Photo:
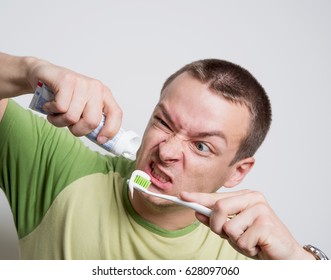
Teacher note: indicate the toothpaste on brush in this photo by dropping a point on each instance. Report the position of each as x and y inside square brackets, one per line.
[124, 143]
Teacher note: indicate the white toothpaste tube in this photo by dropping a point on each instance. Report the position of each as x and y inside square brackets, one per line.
[124, 143]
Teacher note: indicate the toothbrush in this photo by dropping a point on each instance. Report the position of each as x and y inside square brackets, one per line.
[141, 181]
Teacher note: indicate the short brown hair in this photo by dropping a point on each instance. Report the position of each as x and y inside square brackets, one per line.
[237, 85]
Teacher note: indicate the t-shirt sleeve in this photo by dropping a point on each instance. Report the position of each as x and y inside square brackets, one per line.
[37, 161]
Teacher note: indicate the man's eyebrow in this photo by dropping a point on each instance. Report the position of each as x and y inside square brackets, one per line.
[211, 134]
[203, 134]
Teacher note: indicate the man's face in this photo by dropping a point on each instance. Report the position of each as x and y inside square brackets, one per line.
[190, 140]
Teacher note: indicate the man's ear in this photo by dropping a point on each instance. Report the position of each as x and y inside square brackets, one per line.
[239, 171]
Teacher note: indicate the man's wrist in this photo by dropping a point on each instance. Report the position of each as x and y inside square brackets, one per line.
[19, 74]
[28, 64]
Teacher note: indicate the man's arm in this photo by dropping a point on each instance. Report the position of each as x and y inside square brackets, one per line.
[12, 78]
[79, 101]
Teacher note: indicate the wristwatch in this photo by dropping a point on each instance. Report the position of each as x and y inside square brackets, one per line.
[317, 253]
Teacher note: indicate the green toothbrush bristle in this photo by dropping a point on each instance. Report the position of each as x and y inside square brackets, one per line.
[141, 181]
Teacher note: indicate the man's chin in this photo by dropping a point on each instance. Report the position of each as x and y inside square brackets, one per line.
[160, 204]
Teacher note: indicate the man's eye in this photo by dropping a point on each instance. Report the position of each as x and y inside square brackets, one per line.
[202, 147]
[162, 124]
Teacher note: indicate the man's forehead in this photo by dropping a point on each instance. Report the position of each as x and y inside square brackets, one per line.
[197, 130]
[204, 112]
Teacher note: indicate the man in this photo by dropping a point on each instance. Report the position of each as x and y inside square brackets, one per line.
[71, 203]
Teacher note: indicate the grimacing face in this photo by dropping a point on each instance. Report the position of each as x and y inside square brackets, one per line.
[190, 140]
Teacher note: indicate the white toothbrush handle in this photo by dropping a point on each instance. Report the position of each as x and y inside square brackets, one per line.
[195, 206]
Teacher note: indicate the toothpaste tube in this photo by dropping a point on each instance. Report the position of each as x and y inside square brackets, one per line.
[124, 143]
[42, 95]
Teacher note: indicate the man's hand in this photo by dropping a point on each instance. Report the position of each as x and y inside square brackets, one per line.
[249, 224]
[79, 101]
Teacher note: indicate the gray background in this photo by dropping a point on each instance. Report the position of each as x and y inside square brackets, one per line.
[132, 46]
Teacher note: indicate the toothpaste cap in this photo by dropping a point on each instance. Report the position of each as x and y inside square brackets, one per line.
[127, 144]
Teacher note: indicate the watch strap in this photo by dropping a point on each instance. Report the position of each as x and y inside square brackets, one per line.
[317, 253]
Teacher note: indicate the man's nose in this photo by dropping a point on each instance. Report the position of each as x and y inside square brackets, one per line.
[171, 149]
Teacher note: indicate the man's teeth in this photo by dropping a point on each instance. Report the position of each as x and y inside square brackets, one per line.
[160, 176]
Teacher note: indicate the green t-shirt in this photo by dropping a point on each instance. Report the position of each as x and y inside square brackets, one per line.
[70, 202]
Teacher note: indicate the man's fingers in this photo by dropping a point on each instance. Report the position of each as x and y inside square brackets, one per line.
[113, 119]
[66, 115]
[63, 94]
[209, 199]
[89, 121]
[80, 103]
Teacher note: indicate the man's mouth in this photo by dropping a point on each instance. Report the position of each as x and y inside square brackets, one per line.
[159, 175]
